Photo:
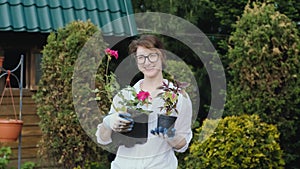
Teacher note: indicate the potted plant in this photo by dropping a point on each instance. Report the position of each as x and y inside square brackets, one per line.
[9, 128]
[170, 95]
[138, 134]
[135, 107]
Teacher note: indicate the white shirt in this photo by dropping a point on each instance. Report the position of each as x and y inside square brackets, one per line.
[155, 145]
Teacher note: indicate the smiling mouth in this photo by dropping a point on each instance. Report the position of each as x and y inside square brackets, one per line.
[149, 68]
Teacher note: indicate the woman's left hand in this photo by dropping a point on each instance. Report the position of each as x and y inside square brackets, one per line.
[164, 132]
[175, 141]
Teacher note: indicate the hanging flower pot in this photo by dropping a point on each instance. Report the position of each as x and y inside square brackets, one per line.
[10, 129]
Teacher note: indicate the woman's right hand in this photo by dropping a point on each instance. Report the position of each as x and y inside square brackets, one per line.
[119, 122]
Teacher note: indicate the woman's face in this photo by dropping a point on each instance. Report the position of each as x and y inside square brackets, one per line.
[149, 61]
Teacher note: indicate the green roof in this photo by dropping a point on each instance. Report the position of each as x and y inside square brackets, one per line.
[49, 15]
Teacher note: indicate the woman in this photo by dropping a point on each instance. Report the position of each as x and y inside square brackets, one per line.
[158, 151]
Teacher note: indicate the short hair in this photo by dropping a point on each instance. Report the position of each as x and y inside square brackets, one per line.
[148, 41]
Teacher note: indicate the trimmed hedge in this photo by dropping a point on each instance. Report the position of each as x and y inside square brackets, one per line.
[64, 141]
[238, 142]
[264, 67]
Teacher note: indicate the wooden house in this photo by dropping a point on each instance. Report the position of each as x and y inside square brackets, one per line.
[24, 27]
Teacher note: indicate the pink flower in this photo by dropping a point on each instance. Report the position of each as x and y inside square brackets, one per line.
[114, 53]
[107, 51]
[142, 95]
[110, 52]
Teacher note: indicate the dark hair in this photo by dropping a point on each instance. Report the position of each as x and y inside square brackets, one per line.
[148, 41]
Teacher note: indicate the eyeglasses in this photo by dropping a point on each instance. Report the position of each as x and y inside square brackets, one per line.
[152, 57]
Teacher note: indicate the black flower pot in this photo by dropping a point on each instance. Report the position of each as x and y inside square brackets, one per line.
[138, 134]
[166, 121]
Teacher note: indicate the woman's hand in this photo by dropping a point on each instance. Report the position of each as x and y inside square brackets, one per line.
[164, 132]
[119, 122]
[174, 140]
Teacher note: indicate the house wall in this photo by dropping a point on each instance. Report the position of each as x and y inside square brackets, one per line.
[13, 44]
[31, 132]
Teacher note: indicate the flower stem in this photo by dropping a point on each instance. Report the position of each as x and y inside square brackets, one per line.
[106, 72]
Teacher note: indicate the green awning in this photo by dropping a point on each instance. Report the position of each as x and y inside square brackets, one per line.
[49, 15]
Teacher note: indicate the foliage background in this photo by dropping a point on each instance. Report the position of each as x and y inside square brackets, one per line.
[273, 93]
[238, 142]
[217, 19]
[264, 70]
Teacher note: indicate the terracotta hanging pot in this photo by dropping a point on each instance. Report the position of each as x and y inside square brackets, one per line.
[10, 129]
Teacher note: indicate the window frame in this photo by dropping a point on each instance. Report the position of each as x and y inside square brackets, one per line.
[33, 66]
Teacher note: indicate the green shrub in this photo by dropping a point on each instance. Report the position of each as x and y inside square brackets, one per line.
[28, 165]
[5, 153]
[64, 140]
[238, 142]
[264, 68]
[92, 165]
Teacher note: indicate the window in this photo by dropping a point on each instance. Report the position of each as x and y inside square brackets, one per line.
[35, 68]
